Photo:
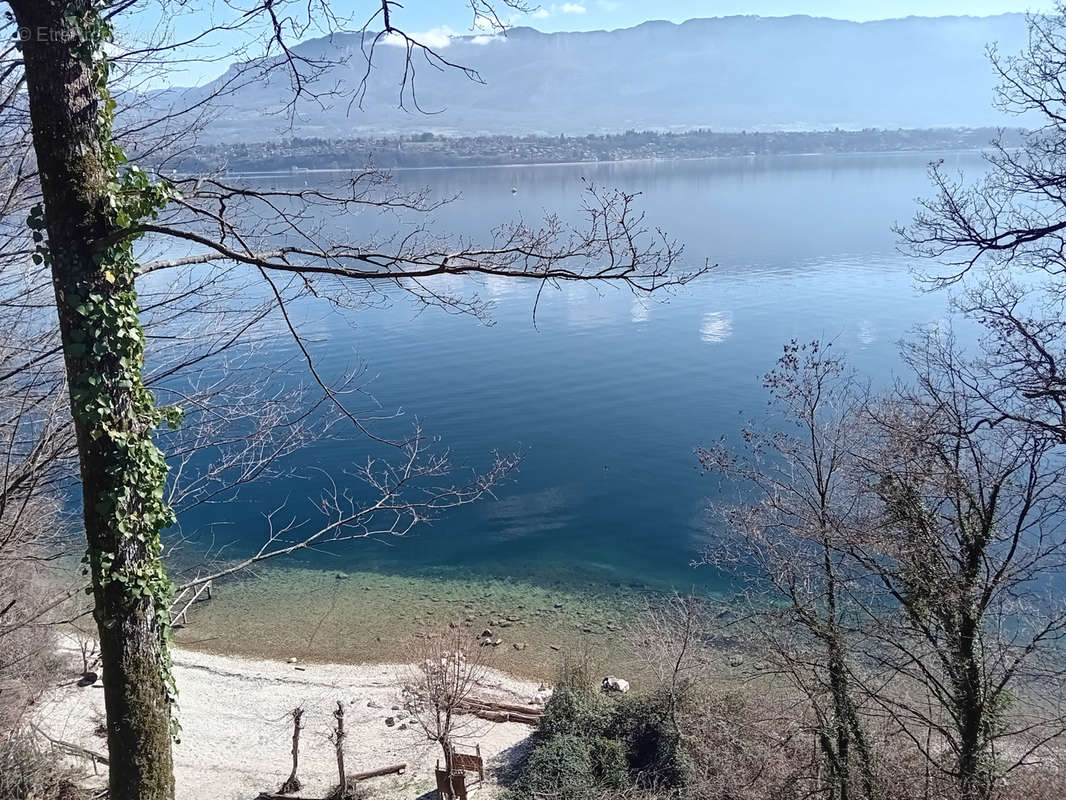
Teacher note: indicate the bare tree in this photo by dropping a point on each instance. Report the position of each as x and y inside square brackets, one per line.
[965, 544]
[789, 542]
[970, 478]
[448, 670]
[1000, 239]
[911, 550]
[670, 641]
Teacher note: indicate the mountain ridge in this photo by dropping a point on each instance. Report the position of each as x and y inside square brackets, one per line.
[741, 72]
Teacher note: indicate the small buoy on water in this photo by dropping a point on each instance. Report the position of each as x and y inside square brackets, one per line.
[514, 190]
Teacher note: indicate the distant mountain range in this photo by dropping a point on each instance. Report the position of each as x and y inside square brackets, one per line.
[728, 74]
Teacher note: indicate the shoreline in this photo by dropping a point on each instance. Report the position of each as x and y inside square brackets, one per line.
[237, 730]
[607, 162]
[326, 617]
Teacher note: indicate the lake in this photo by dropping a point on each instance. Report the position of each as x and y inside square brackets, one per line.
[608, 395]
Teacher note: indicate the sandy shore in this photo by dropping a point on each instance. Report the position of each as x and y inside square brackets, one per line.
[237, 733]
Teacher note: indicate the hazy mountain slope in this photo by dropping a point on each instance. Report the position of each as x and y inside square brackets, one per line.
[726, 73]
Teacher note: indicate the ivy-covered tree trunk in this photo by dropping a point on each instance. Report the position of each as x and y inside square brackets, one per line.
[974, 719]
[88, 198]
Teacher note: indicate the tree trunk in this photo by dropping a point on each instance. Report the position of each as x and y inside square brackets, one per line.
[292, 783]
[970, 705]
[446, 746]
[342, 779]
[70, 142]
[842, 755]
[963, 624]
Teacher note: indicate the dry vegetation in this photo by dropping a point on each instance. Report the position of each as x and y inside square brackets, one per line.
[753, 736]
[29, 667]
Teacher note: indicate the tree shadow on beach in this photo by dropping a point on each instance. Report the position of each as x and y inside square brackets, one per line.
[505, 766]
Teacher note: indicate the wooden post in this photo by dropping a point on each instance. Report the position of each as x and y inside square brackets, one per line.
[292, 783]
[339, 741]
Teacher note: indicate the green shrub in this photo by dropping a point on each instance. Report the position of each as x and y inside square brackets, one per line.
[576, 712]
[610, 766]
[590, 745]
[652, 745]
[559, 767]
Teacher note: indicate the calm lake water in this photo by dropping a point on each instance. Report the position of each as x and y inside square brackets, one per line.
[608, 395]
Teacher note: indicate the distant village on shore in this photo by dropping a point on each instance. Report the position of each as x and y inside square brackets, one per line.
[435, 150]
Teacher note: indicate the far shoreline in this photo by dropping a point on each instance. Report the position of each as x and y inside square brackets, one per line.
[645, 161]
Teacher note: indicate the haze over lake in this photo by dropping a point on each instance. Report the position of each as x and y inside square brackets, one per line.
[608, 395]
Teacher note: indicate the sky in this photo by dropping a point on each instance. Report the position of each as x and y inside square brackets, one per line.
[435, 20]
[596, 14]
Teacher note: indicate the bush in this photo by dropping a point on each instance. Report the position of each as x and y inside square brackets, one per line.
[559, 767]
[588, 743]
[576, 712]
[651, 742]
[610, 766]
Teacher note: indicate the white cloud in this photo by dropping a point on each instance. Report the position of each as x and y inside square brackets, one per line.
[609, 5]
[572, 8]
[434, 37]
[541, 13]
[441, 37]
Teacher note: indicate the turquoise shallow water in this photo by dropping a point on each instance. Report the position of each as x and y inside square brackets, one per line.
[608, 395]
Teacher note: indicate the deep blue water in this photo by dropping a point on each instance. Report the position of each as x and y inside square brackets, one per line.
[608, 395]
